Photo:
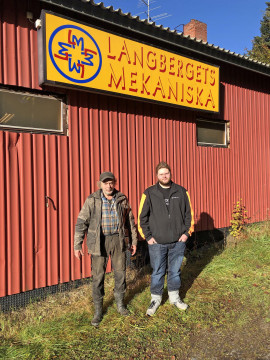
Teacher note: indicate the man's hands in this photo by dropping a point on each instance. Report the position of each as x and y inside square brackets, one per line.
[133, 249]
[152, 241]
[78, 254]
[183, 238]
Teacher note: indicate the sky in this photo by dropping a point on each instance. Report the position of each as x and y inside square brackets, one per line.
[231, 24]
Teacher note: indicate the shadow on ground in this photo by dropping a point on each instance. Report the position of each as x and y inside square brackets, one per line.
[201, 248]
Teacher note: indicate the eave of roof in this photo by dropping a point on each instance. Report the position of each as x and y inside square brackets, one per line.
[134, 24]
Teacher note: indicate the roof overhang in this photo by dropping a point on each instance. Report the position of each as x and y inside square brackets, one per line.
[155, 33]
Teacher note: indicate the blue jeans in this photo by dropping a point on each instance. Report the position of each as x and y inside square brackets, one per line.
[162, 257]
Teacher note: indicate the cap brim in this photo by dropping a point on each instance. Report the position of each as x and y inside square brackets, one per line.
[106, 179]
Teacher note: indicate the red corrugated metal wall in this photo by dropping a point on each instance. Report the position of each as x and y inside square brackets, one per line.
[127, 137]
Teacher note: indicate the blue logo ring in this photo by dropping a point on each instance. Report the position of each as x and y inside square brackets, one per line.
[57, 67]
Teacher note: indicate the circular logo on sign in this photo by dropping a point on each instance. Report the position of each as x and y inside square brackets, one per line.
[75, 54]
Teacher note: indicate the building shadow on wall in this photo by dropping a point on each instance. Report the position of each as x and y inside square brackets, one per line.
[201, 248]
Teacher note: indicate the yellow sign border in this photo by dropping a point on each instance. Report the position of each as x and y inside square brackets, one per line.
[128, 68]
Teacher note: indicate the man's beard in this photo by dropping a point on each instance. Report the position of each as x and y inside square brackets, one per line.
[167, 183]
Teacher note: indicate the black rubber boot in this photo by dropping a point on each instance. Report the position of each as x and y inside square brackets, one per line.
[98, 314]
[121, 308]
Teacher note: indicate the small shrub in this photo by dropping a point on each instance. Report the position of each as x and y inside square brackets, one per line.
[239, 219]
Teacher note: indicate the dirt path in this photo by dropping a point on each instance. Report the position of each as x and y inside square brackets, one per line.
[252, 343]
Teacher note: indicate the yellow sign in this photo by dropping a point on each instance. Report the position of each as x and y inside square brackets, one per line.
[81, 55]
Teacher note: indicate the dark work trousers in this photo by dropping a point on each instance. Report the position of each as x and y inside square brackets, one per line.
[110, 245]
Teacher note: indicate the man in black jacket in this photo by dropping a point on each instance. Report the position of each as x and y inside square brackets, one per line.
[166, 221]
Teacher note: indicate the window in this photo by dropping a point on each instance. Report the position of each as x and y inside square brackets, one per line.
[212, 133]
[30, 111]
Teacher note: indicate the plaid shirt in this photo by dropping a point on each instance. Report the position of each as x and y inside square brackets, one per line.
[109, 217]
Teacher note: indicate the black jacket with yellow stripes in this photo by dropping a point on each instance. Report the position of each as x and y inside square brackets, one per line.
[165, 225]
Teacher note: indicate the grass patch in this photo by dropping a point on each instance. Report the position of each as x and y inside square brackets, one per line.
[227, 290]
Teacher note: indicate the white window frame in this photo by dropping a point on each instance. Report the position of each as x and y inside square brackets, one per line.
[63, 114]
[227, 132]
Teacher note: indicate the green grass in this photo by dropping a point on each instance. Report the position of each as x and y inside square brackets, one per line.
[227, 290]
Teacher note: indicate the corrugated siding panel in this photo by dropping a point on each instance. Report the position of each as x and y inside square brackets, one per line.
[132, 168]
[35, 239]
[39, 218]
[65, 233]
[128, 138]
[3, 219]
[13, 214]
[52, 189]
[27, 231]
[9, 44]
[18, 40]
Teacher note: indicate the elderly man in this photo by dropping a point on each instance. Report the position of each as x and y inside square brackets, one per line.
[165, 221]
[107, 219]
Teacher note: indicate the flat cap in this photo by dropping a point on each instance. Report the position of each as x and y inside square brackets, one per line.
[107, 175]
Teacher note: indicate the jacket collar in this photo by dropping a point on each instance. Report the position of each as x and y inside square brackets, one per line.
[118, 195]
[158, 193]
